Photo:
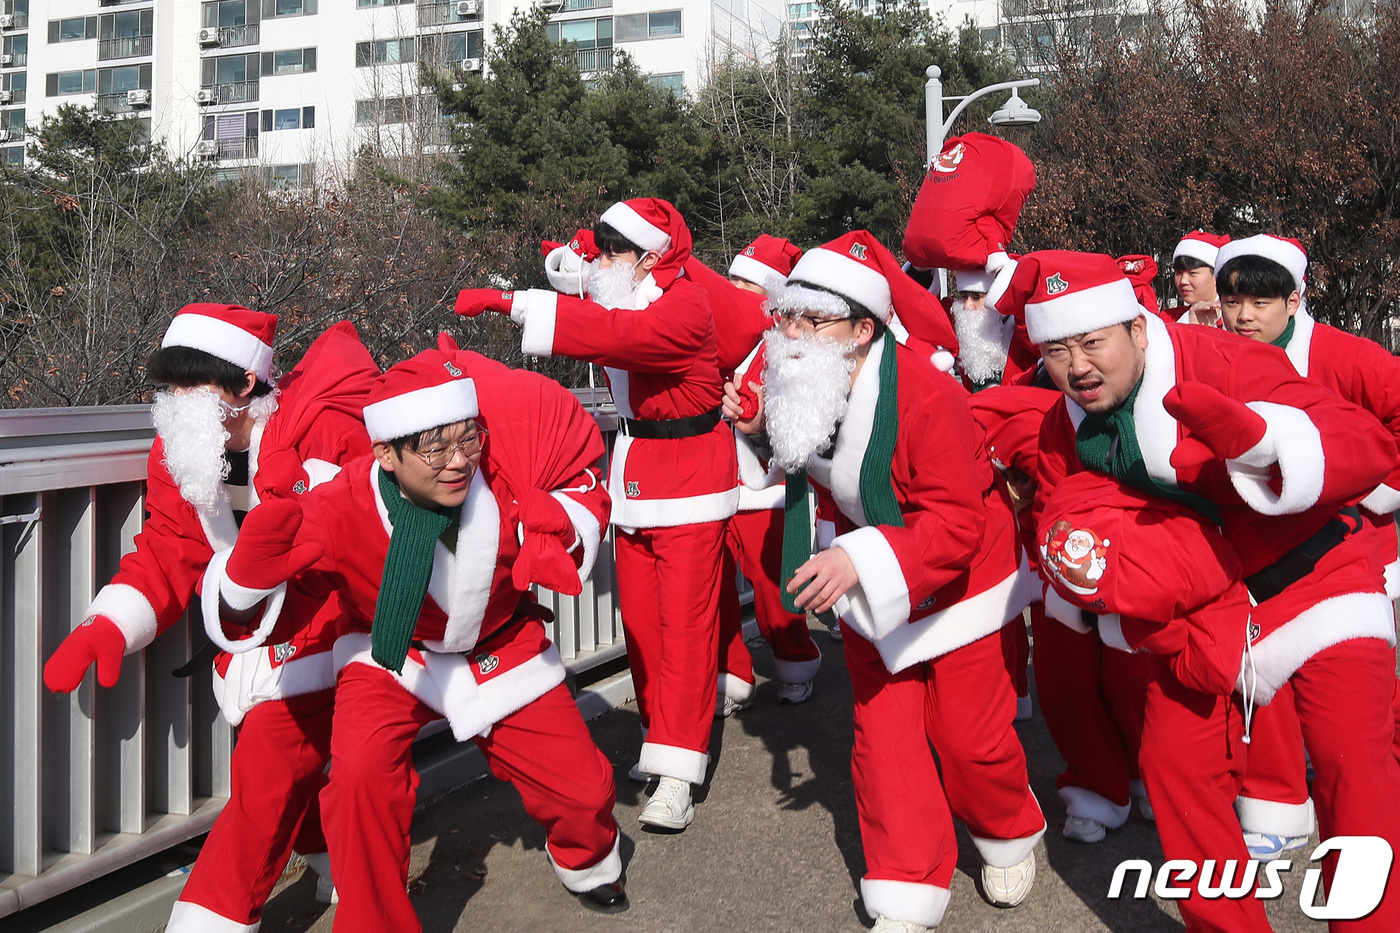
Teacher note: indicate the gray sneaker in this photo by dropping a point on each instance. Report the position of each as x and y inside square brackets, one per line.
[795, 693]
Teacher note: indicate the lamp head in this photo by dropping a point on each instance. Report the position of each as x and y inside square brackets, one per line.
[1015, 113]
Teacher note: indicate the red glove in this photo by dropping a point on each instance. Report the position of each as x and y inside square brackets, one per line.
[280, 474]
[749, 397]
[97, 639]
[542, 513]
[473, 301]
[1226, 427]
[544, 558]
[266, 554]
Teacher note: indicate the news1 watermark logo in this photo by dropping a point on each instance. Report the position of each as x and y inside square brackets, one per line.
[1358, 884]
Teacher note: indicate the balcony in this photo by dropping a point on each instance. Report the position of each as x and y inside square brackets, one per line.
[123, 47]
[237, 148]
[440, 14]
[571, 6]
[17, 96]
[18, 21]
[114, 103]
[234, 36]
[234, 92]
[590, 60]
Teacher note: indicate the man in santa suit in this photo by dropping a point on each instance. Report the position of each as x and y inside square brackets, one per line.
[1194, 262]
[673, 476]
[922, 573]
[992, 348]
[428, 636]
[1261, 285]
[1151, 577]
[226, 439]
[1228, 427]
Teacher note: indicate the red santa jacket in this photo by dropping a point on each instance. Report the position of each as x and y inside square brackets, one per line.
[661, 363]
[316, 427]
[1331, 454]
[949, 576]
[485, 652]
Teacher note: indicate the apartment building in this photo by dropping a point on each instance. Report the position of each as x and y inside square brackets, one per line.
[292, 85]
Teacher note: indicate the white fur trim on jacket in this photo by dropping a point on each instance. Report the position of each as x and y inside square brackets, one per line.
[1156, 428]
[1382, 500]
[605, 871]
[1324, 624]
[539, 311]
[586, 527]
[1003, 853]
[1392, 580]
[683, 764]
[841, 473]
[319, 471]
[1274, 818]
[1293, 442]
[129, 610]
[1086, 804]
[218, 523]
[752, 473]
[1064, 611]
[880, 600]
[445, 683]
[960, 624]
[188, 917]
[798, 672]
[1299, 347]
[909, 901]
[1111, 632]
[215, 579]
[251, 679]
[630, 514]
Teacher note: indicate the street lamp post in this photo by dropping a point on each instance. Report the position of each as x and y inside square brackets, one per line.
[1013, 113]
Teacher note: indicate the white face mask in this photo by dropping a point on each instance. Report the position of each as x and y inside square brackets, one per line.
[807, 386]
[190, 425]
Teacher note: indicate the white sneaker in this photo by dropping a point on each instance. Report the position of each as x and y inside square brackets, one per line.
[636, 773]
[884, 924]
[726, 705]
[320, 863]
[1264, 847]
[1145, 808]
[670, 806]
[1007, 887]
[795, 693]
[1023, 709]
[1083, 829]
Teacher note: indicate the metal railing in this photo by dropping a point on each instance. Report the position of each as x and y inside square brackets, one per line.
[97, 779]
[232, 36]
[114, 103]
[123, 47]
[590, 60]
[233, 92]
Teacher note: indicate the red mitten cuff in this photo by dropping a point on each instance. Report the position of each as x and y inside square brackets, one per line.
[540, 512]
[544, 561]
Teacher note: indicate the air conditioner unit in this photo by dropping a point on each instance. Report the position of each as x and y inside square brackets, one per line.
[6, 96]
[206, 149]
[209, 36]
[138, 98]
[6, 61]
[7, 134]
[206, 95]
[7, 21]
[468, 7]
[472, 64]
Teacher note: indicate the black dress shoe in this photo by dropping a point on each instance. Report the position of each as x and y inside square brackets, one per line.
[606, 899]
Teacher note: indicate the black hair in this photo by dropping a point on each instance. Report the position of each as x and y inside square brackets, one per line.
[1186, 263]
[185, 367]
[427, 436]
[610, 242]
[1256, 277]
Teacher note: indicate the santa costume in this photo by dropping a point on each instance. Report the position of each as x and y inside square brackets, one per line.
[919, 514]
[672, 477]
[1162, 583]
[280, 698]
[427, 637]
[1275, 802]
[1203, 247]
[1229, 427]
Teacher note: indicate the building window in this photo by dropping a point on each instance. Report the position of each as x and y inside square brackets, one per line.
[289, 176]
[17, 47]
[125, 35]
[235, 77]
[638, 26]
[72, 30]
[383, 52]
[675, 83]
[592, 40]
[235, 133]
[367, 4]
[571, 5]
[19, 9]
[12, 155]
[451, 47]
[802, 10]
[17, 83]
[113, 83]
[71, 82]
[236, 21]
[291, 62]
[384, 111]
[297, 118]
[12, 121]
[272, 9]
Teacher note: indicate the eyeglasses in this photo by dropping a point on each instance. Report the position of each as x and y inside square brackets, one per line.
[438, 456]
[807, 323]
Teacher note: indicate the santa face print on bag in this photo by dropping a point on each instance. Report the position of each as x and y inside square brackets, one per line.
[1077, 557]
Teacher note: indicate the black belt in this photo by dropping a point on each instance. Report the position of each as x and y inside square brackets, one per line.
[1302, 560]
[670, 429]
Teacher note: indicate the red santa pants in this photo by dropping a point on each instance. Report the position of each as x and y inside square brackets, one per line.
[544, 749]
[1274, 797]
[277, 770]
[668, 586]
[1193, 763]
[963, 704]
[1092, 698]
[754, 544]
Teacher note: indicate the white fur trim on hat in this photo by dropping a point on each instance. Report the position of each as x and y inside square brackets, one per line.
[1270, 247]
[1082, 312]
[421, 409]
[1197, 249]
[626, 221]
[974, 280]
[846, 277]
[751, 270]
[228, 342]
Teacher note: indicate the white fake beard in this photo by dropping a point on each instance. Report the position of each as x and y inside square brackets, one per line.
[615, 286]
[806, 389]
[983, 340]
[191, 426]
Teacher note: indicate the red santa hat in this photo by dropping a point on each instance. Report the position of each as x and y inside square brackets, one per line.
[1142, 273]
[765, 259]
[1061, 293]
[1285, 251]
[1201, 245]
[230, 332]
[657, 227]
[425, 391]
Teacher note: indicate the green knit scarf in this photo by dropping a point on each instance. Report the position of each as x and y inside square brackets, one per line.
[1282, 339]
[876, 489]
[407, 570]
[1109, 445]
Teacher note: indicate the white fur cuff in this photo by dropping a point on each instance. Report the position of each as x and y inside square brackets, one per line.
[683, 764]
[1274, 818]
[215, 579]
[1293, 442]
[880, 602]
[537, 311]
[1382, 501]
[605, 871]
[1086, 804]
[1064, 611]
[1004, 853]
[130, 611]
[908, 901]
